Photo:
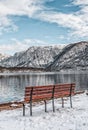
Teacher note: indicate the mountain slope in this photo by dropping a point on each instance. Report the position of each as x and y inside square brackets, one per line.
[3, 56]
[74, 56]
[36, 57]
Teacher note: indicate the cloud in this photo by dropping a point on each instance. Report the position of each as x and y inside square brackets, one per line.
[76, 23]
[80, 2]
[83, 14]
[16, 45]
[19, 8]
[7, 24]
[15, 7]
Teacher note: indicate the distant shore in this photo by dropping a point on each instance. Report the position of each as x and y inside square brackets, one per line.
[31, 69]
[20, 69]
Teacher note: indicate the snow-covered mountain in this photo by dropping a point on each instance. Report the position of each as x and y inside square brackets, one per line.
[73, 56]
[36, 57]
[3, 56]
[51, 58]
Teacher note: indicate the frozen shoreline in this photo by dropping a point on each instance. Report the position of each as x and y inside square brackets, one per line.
[66, 118]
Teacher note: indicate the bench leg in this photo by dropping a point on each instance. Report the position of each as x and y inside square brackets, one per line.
[30, 108]
[23, 109]
[62, 102]
[45, 105]
[70, 101]
[53, 105]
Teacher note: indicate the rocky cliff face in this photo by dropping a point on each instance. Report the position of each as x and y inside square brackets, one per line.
[36, 57]
[73, 56]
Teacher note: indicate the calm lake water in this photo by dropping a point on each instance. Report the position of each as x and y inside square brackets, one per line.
[12, 85]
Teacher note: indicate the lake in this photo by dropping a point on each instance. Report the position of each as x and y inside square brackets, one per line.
[12, 85]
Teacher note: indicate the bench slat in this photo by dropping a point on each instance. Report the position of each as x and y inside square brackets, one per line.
[37, 92]
[45, 92]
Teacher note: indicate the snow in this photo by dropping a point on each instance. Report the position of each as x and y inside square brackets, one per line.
[13, 105]
[35, 56]
[66, 118]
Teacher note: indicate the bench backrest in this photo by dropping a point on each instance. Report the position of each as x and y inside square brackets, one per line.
[39, 93]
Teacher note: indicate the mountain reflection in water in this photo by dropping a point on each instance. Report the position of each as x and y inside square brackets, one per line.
[12, 85]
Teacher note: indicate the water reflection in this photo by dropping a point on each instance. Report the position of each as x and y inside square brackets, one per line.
[12, 86]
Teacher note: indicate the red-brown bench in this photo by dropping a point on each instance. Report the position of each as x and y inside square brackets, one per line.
[48, 92]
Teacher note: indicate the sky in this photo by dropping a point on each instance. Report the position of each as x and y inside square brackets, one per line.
[28, 23]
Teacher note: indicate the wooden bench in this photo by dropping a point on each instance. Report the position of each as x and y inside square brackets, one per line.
[48, 92]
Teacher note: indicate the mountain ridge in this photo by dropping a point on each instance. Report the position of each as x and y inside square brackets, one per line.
[61, 61]
[51, 58]
[37, 57]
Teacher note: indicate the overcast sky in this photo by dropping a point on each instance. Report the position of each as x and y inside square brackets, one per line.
[25, 23]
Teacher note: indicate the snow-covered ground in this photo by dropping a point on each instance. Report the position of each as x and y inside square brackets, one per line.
[66, 118]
